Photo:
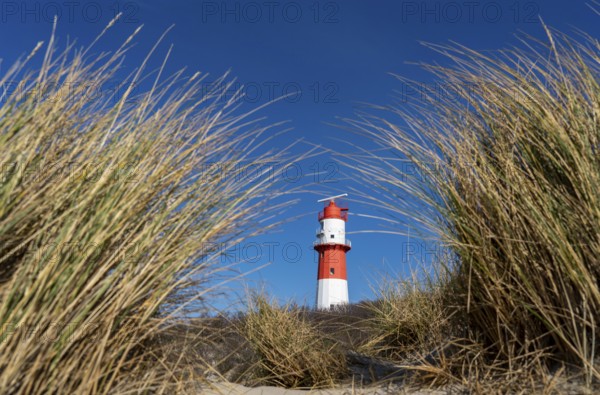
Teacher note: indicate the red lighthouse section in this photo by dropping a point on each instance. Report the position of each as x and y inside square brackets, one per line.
[332, 261]
[333, 211]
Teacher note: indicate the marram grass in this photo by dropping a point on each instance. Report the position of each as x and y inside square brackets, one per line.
[105, 206]
[508, 160]
[289, 350]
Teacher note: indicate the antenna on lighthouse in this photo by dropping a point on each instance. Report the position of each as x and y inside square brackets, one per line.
[332, 198]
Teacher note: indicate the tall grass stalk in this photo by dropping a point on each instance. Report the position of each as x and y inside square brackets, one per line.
[105, 209]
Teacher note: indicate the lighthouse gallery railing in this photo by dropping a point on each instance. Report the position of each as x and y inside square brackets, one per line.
[347, 242]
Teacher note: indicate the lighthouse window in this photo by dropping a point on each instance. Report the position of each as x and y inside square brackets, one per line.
[332, 236]
[331, 270]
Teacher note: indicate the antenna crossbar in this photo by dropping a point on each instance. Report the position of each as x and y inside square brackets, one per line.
[332, 198]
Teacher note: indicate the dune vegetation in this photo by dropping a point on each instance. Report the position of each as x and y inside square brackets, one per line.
[107, 206]
[506, 149]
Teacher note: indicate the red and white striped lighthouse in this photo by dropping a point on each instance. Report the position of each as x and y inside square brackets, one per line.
[332, 245]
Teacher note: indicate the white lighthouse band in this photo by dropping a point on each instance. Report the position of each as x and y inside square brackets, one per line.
[333, 230]
[331, 292]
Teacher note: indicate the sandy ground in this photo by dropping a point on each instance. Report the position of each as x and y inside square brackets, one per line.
[567, 388]
[236, 389]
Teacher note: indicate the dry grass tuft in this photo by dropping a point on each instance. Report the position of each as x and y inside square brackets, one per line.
[106, 207]
[406, 317]
[508, 168]
[290, 351]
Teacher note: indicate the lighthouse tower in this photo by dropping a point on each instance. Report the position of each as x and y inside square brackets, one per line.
[332, 245]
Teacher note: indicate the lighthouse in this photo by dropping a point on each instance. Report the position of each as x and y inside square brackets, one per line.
[332, 245]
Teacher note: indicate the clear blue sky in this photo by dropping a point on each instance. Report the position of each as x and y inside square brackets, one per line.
[337, 54]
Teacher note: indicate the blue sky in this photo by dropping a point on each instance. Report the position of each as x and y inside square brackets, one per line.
[329, 57]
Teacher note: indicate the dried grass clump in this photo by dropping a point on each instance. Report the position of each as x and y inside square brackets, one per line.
[105, 209]
[290, 351]
[406, 318]
[508, 162]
